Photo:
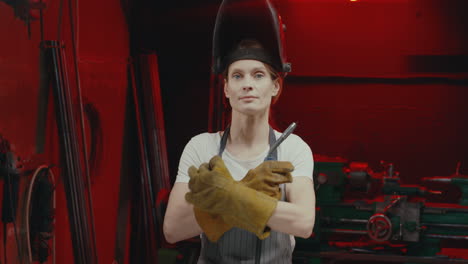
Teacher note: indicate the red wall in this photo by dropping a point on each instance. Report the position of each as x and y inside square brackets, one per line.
[102, 42]
[370, 37]
[420, 128]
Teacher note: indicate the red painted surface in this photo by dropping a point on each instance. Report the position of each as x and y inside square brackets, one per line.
[369, 37]
[102, 42]
[421, 128]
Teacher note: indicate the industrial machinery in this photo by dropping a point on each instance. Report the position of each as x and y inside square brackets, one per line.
[370, 217]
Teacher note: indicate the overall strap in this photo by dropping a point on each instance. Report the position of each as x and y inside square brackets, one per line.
[223, 142]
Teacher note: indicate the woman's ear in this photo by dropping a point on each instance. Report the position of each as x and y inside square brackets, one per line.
[276, 87]
[225, 89]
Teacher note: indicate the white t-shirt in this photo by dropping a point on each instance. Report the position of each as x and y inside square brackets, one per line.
[203, 147]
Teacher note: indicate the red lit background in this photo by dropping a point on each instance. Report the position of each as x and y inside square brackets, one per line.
[372, 80]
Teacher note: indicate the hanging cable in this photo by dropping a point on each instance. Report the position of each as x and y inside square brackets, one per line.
[28, 209]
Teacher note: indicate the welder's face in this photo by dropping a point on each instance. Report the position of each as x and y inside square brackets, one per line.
[249, 87]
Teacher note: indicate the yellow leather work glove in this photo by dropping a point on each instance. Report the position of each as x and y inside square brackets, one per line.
[265, 178]
[213, 190]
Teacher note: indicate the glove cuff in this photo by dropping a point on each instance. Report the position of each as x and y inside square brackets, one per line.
[212, 225]
[252, 210]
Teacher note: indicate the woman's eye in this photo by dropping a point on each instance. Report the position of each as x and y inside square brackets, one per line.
[259, 75]
[236, 76]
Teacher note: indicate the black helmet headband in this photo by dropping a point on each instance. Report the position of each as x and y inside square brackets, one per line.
[249, 54]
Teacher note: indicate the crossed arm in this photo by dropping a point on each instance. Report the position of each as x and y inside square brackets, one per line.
[295, 217]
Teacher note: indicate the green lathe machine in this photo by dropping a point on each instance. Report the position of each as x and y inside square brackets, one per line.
[369, 217]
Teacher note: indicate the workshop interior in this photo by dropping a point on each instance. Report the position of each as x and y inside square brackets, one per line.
[99, 98]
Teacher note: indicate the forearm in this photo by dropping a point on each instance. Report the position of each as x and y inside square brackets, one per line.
[297, 216]
[179, 221]
[292, 219]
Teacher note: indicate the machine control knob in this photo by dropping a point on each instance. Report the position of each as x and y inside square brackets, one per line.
[379, 227]
[322, 178]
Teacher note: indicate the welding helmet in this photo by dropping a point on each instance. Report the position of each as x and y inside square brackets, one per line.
[258, 20]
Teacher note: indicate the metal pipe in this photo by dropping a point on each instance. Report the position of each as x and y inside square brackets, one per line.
[445, 225]
[283, 136]
[83, 247]
[344, 220]
[447, 236]
[373, 258]
[345, 231]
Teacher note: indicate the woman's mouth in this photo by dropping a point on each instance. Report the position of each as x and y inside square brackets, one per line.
[248, 98]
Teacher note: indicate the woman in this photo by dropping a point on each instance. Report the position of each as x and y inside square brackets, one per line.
[231, 213]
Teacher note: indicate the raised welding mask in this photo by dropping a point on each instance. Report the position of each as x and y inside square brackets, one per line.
[248, 19]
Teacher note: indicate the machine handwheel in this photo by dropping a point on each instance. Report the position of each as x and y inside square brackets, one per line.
[379, 227]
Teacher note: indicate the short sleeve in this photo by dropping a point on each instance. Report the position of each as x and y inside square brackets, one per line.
[189, 158]
[299, 154]
[198, 150]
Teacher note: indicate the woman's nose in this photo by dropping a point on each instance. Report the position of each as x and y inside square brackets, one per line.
[247, 86]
